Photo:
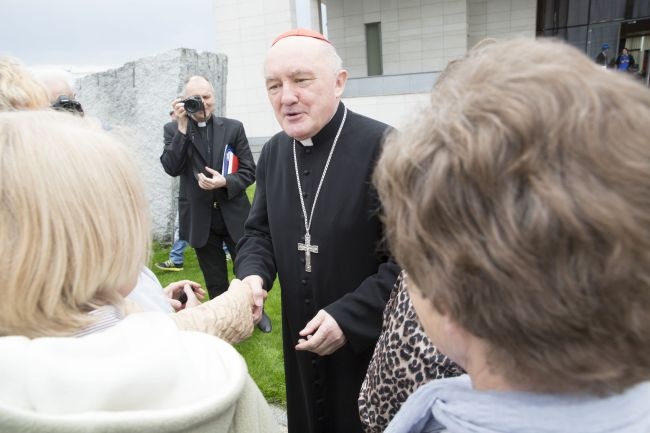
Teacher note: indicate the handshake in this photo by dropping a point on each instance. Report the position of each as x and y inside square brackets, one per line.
[186, 294]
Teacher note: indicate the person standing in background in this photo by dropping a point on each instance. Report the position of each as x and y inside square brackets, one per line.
[625, 61]
[602, 57]
[212, 205]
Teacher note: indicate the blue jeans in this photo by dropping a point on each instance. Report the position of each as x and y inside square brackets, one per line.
[177, 251]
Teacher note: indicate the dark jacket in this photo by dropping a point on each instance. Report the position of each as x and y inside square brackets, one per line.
[184, 156]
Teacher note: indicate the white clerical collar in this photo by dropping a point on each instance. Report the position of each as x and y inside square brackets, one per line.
[202, 124]
[307, 142]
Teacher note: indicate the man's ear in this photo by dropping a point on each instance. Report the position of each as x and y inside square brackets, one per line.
[341, 79]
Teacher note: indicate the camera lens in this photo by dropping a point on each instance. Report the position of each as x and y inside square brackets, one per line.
[193, 104]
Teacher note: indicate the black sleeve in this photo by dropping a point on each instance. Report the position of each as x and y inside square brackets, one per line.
[359, 313]
[245, 175]
[174, 156]
[255, 248]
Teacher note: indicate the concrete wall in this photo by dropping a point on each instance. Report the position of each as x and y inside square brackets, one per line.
[501, 19]
[419, 38]
[394, 110]
[245, 31]
[134, 102]
[416, 35]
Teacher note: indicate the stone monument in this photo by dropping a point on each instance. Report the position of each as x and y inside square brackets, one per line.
[134, 101]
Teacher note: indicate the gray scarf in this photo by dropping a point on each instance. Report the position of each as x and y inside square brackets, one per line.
[452, 406]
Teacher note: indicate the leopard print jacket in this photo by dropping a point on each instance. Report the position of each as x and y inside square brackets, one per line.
[404, 359]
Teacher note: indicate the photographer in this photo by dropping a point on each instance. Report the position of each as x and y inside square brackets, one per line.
[212, 205]
[60, 91]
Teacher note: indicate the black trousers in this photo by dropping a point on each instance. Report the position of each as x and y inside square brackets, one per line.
[212, 258]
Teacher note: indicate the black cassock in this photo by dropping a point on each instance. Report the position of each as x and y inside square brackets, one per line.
[351, 277]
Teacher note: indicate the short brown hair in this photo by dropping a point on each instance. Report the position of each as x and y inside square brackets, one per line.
[519, 203]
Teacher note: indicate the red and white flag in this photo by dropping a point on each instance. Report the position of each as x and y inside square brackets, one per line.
[230, 161]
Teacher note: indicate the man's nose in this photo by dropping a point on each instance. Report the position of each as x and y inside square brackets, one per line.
[289, 95]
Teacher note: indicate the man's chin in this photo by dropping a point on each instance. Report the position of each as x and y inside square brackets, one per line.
[297, 133]
[200, 118]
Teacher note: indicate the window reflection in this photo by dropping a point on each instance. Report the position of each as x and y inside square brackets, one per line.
[590, 25]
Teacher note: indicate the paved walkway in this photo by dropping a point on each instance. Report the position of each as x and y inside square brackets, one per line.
[280, 415]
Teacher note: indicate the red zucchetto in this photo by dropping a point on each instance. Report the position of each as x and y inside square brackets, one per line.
[301, 32]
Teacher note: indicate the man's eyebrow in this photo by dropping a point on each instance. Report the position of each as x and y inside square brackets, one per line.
[292, 74]
[301, 72]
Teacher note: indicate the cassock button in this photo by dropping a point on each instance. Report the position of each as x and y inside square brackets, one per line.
[304, 281]
[305, 194]
[308, 301]
[321, 419]
[305, 172]
[307, 150]
[302, 260]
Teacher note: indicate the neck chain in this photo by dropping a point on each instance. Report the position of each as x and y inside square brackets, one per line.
[307, 247]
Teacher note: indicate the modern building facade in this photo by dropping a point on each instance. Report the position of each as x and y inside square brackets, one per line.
[395, 49]
[590, 24]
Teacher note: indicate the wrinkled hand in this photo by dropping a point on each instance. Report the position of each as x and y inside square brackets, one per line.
[181, 115]
[236, 285]
[322, 335]
[217, 180]
[259, 295]
[192, 289]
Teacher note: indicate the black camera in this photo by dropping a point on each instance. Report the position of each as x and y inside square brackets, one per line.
[64, 103]
[193, 104]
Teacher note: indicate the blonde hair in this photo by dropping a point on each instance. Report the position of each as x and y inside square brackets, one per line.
[74, 222]
[18, 88]
[519, 204]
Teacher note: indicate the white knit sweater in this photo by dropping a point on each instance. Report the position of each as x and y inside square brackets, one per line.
[141, 375]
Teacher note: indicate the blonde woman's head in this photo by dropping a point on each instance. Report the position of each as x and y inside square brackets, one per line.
[74, 222]
[19, 90]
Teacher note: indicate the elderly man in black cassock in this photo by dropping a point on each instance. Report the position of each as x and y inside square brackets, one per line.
[314, 221]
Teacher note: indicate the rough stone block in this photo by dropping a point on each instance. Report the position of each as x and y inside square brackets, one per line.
[134, 102]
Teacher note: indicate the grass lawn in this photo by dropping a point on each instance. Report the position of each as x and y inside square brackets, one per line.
[263, 352]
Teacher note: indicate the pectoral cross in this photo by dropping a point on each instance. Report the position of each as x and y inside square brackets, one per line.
[308, 248]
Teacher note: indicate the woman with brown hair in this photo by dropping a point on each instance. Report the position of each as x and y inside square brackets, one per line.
[523, 221]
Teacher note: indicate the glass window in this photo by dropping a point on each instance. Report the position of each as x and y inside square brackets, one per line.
[373, 49]
[640, 9]
[563, 13]
[576, 36]
[607, 10]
